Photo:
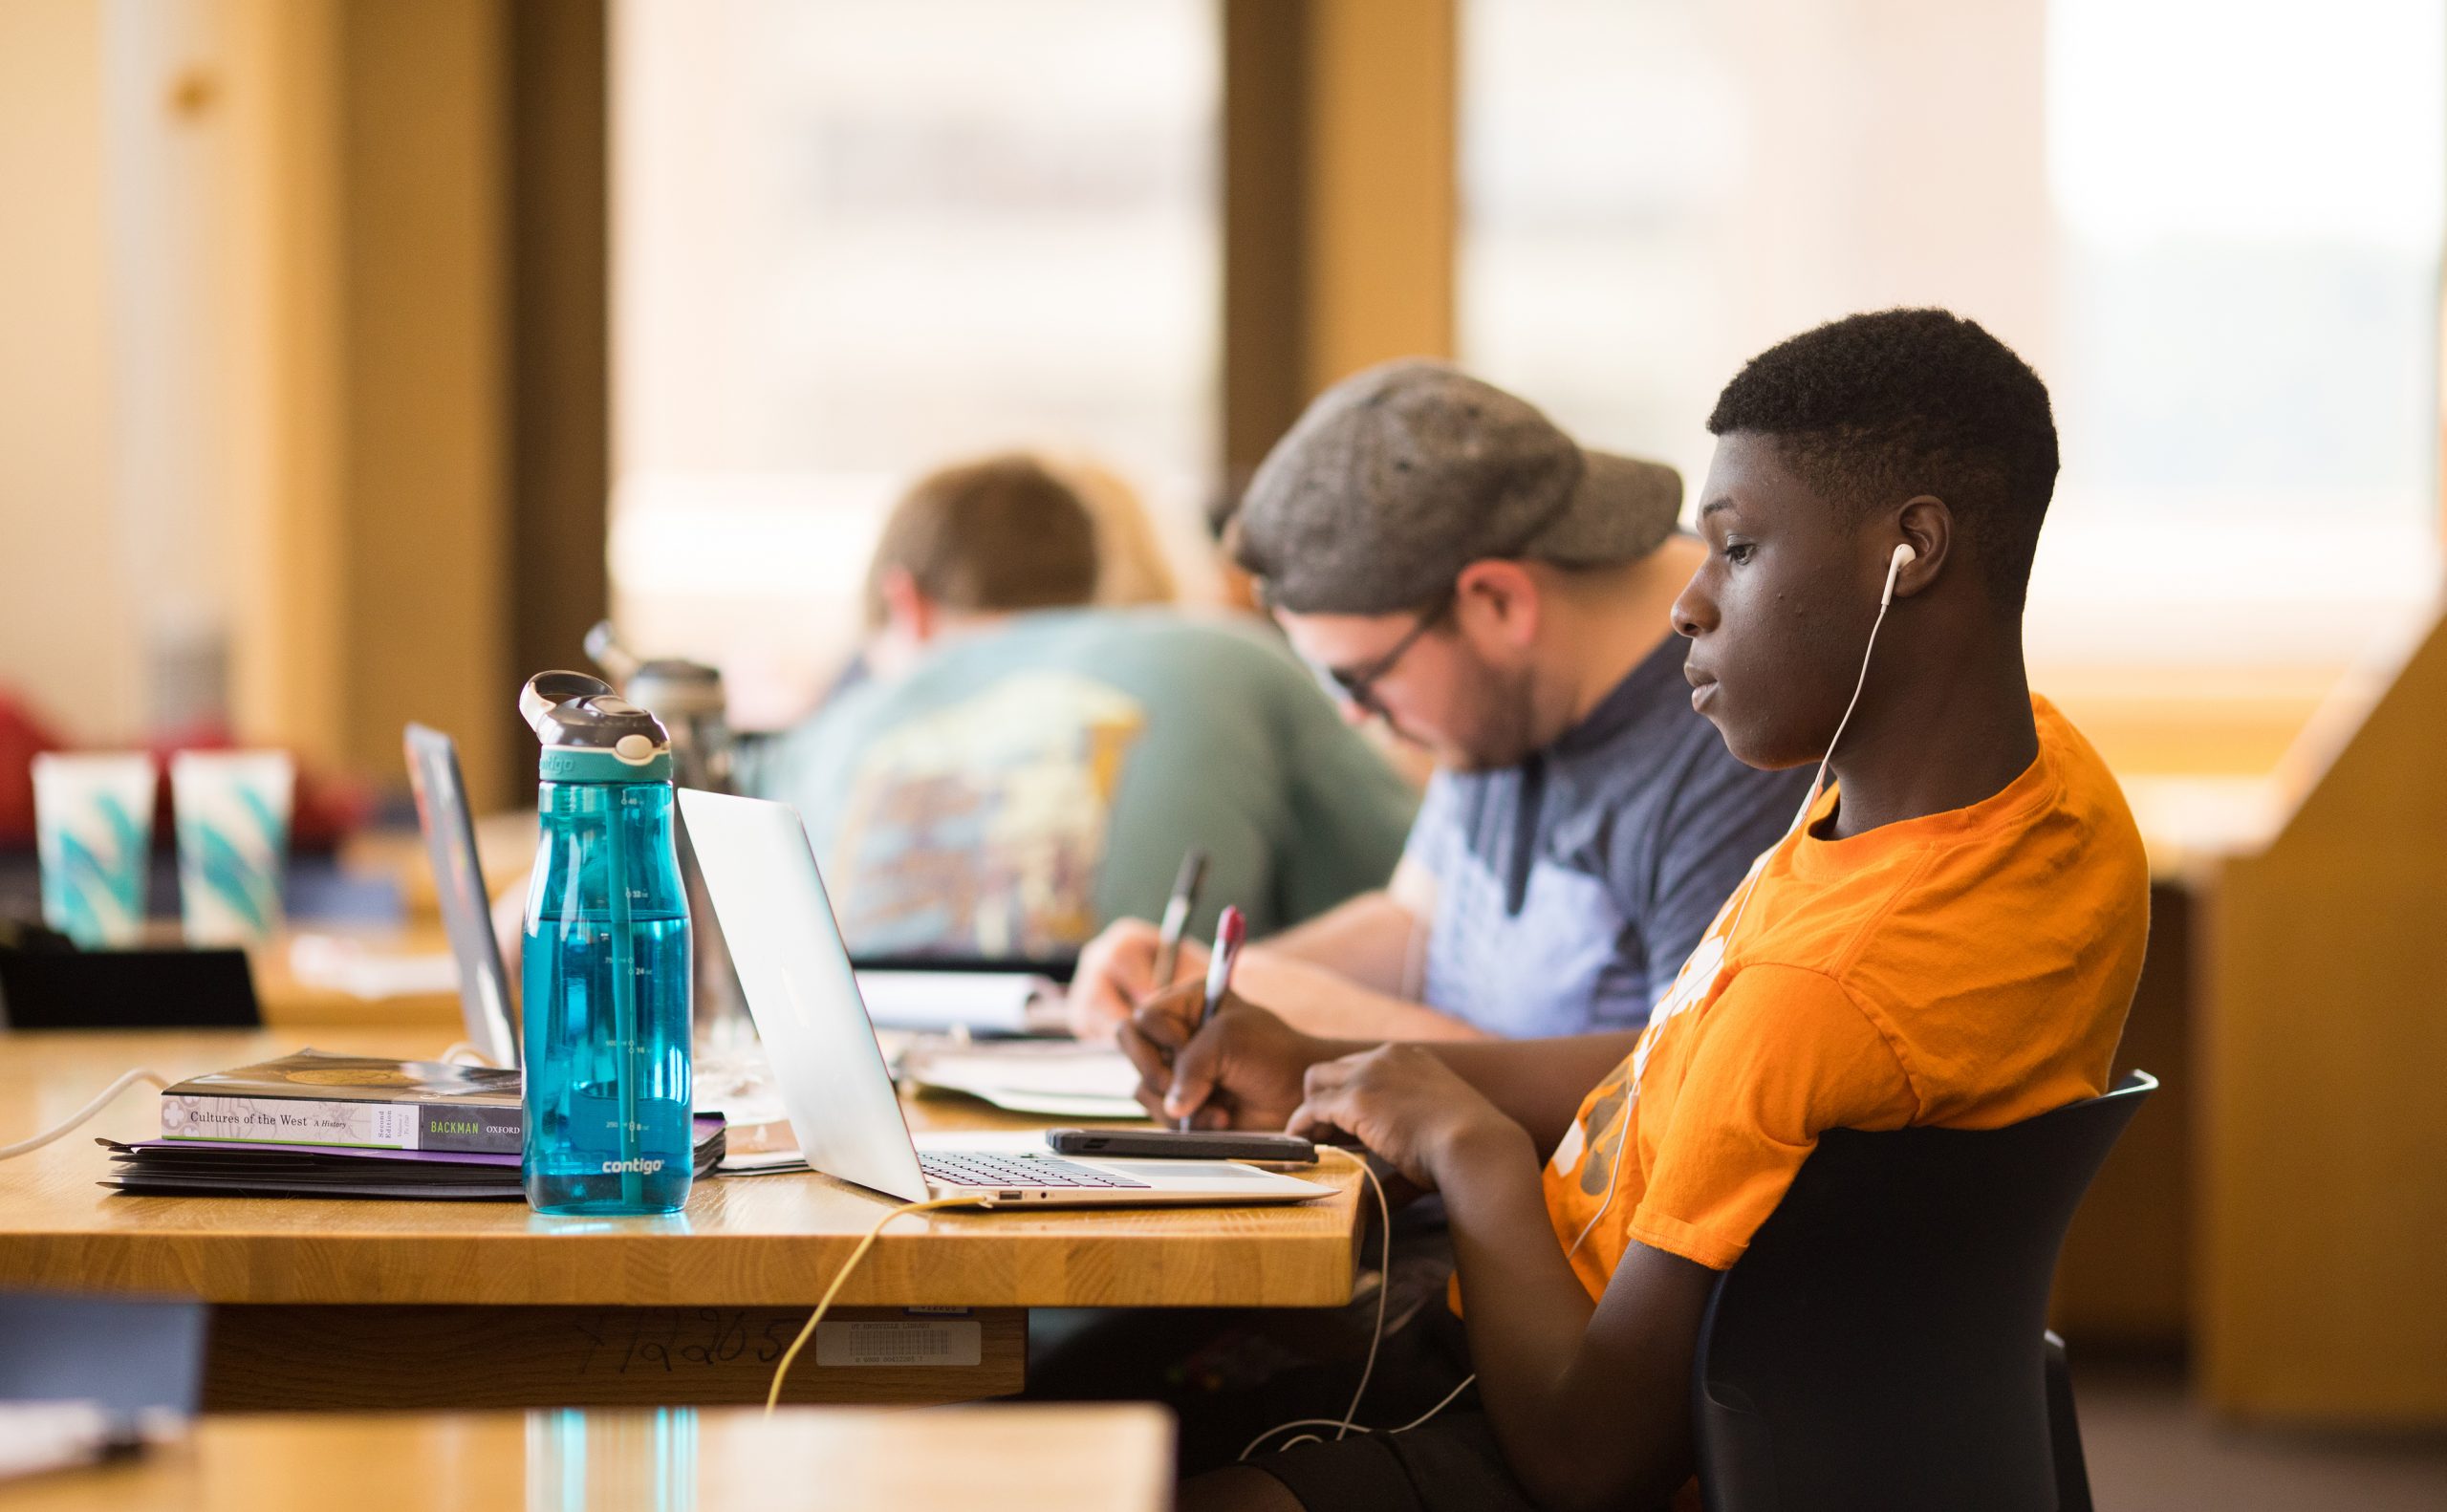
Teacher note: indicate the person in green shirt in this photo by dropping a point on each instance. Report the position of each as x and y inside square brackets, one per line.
[1017, 768]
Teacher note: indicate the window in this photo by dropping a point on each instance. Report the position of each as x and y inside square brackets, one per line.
[2213, 227]
[854, 240]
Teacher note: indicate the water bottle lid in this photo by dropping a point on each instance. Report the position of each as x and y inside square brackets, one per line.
[590, 733]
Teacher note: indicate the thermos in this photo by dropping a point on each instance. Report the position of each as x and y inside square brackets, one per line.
[687, 698]
[606, 973]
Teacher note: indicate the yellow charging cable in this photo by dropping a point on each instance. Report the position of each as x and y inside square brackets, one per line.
[781, 1371]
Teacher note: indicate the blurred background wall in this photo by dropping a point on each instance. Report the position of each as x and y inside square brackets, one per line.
[308, 349]
[65, 611]
[335, 318]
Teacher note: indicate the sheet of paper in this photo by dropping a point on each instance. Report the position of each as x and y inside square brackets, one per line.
[40, 1436]
[1060, 1080]
[979, 1001]
[336, 963]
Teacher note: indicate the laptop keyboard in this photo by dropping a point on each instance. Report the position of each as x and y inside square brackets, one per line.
[1014, 1170]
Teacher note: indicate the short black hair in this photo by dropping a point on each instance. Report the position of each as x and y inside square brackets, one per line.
[1875, 408]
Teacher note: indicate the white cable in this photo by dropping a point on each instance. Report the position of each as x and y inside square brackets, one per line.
[472, 1056]
[1384, 1285]
[1818, 784]
[127, 1079]
[1297, 1422]
[1449, 1397]
[1349, 1423]
[1630, 1093]
[1647, 1040]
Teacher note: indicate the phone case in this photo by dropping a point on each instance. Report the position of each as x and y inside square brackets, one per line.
[1168, 1144]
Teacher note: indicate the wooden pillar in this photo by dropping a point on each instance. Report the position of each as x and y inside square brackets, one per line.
[2323, 1221]
[1340, 198]
[559, 336]
[424, 628]
[420, 224]
[288, 653]
[1264, 99]
[1380, 183]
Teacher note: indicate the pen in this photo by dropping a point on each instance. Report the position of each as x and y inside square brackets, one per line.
[1229, 931]
[1177, 912]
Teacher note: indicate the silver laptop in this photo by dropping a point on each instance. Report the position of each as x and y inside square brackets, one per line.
[467, 908]
[762, 876]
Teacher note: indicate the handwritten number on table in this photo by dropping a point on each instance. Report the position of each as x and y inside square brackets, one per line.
[710, 1337]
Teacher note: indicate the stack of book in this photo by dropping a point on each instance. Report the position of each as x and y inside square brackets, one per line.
[315, 1124]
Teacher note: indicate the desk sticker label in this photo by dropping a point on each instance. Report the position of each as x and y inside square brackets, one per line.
[915, 1341]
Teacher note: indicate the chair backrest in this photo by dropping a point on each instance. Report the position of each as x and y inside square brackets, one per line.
[1881, 1344]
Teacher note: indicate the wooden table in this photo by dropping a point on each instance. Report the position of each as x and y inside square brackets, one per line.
[367, 1305]
[1031, 1458]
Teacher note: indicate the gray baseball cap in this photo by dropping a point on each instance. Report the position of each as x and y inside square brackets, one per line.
[1402, 475]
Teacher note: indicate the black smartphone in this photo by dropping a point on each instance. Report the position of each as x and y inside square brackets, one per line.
[1171, 1144]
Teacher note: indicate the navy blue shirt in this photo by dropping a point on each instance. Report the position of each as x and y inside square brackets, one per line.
[1571, 887]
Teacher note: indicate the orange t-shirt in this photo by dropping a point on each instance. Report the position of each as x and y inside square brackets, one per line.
[1970, 970]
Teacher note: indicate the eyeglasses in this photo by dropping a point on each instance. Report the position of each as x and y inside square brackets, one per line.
[1358, 684]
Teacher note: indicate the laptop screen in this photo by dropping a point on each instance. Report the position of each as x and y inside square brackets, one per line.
[467, 908]
[795, 973]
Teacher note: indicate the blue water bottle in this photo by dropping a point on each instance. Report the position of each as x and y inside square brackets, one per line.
[606, 971]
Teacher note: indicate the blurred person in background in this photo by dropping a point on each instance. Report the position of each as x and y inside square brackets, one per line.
[1234, 587]
[1456, 565]
[1130, 567]
[1022, 765]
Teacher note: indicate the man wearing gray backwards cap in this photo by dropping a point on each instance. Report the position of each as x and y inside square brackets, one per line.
[1454, 564]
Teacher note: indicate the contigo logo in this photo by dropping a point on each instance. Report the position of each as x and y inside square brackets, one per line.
[640, 1167]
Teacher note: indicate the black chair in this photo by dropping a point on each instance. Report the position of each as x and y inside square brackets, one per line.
[1883, 1343]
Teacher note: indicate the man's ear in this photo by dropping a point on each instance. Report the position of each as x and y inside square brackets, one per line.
[1927, 525]
[1498, 598]
[907, 612]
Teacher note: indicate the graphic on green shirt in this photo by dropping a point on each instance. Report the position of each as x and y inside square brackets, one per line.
[987, 821]
[1021, 785]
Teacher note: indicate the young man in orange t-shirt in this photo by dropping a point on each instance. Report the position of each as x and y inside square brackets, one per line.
[1950, 937]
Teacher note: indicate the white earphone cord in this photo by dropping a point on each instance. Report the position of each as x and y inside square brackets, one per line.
[1349, 1423]
[1903, 557]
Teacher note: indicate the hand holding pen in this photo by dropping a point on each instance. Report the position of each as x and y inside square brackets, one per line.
[1229, 931]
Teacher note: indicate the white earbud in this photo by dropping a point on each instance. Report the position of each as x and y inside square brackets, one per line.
[1903, 558]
